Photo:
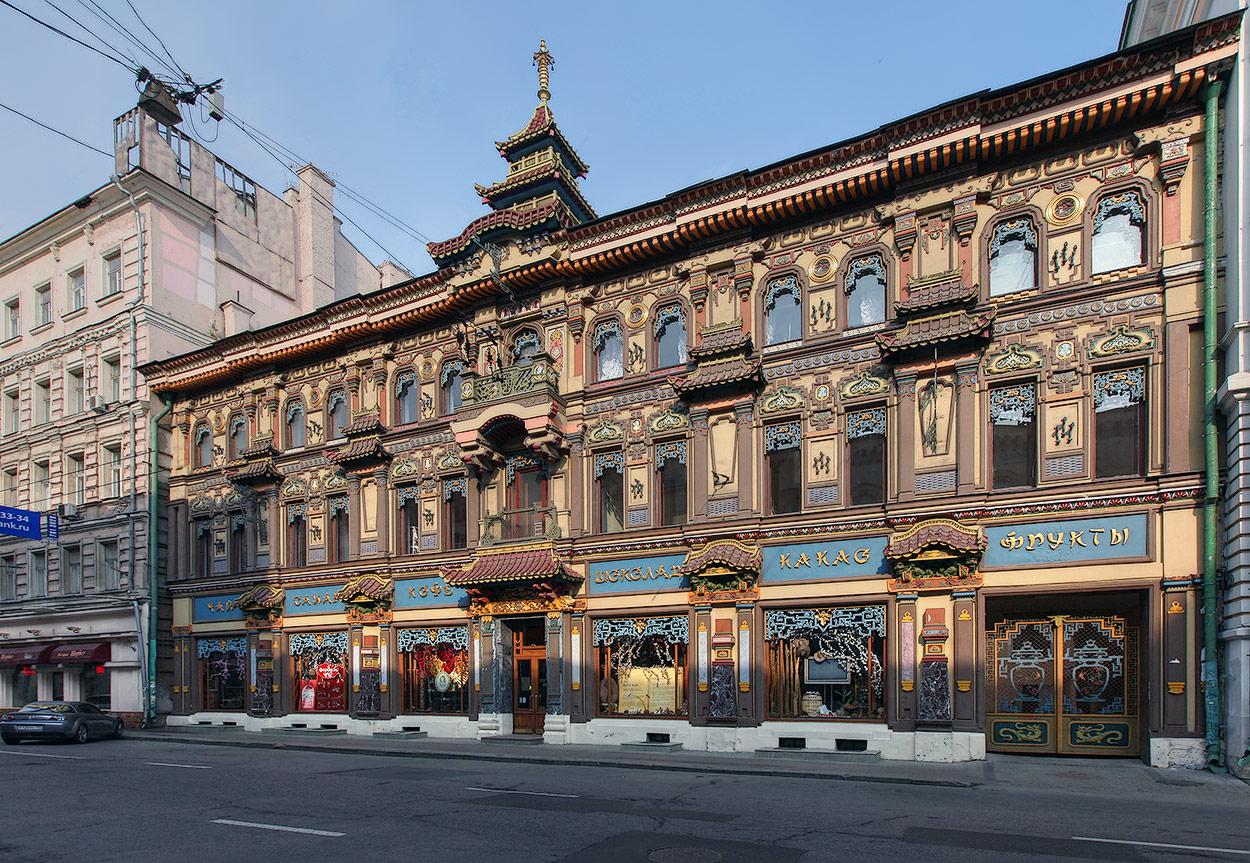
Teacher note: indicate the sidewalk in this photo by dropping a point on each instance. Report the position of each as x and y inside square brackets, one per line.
[1120, 776]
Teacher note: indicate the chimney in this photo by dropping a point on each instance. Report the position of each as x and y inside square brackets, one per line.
[314, 229]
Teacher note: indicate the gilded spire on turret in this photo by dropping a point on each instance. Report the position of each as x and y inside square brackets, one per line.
[544, 61]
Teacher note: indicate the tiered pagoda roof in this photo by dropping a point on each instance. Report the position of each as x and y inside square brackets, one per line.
[722, 361]
[938, 309]
[511, 565]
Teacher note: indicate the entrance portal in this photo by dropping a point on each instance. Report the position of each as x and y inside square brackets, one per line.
[529, 680]
[1066, 685]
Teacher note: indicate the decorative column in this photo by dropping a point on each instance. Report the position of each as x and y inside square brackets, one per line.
[355, 517]
[966, 427]
[184, 677]
[935, 692]
[556, 722]
[964, 713]
[385, 640]
[381, 480]
[906, 611]
[747, 662]
[355, 635]
[577, 644]
[702, 661]
[744, 415]
[1179, 634]
[904, 475]
[699, 464]
[577, 479]
[483, 674]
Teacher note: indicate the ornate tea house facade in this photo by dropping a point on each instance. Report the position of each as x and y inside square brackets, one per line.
[888, 447]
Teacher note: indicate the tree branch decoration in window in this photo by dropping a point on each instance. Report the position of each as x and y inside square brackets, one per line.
[405, 494]
[321, 646]
[1014, 405]
[865, 423]
[337, 505]
[782, 399]
[673, 449]
[1122, 388]
[784, 436]
[458, 485]
[605, 431]
[864, 384]
[839, 634]
[1122, 340]
[609, 460]
[294, 511]
[524, 461]
[777, 287]
[209, 646]
[669, 420]
[407, 376]
[456, 637]
[1128, 203]
[673, 629]
[605, 331]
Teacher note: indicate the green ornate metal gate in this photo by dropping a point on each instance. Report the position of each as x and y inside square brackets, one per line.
[1066, 685]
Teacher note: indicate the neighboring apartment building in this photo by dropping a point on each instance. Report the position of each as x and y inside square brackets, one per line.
[1147, 19]
[890, 446]
[87, 300]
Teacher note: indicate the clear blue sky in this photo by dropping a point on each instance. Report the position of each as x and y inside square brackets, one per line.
[402, 101]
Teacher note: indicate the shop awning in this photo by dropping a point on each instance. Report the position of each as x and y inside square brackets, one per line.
[28, 654]
[82, 653]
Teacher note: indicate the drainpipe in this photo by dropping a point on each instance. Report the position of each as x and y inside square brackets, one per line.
[153, 548]
[1211, 693]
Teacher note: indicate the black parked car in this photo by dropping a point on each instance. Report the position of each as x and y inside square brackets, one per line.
[59, 720]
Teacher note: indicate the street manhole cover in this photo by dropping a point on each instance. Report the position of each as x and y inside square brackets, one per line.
[685, 855]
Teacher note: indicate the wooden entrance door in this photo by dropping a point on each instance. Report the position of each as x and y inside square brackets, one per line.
[1065, 685]
[529, 678]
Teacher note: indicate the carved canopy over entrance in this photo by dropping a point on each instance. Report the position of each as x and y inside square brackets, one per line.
[368, 598]
[723, 570]
[516, 580]
[935, 554]
[261, 602]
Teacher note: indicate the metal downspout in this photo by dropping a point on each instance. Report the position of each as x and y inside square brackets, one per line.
[153, 548]
[1210, 616]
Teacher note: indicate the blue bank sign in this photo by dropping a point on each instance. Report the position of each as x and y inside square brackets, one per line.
[1072, 541]
[862, 557]
[313, 600]
[19, 522]
[428, 592]
[637, 573]
[210, 608]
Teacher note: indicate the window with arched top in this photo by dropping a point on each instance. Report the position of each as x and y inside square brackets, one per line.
[783, 311]
[203, 446]
[407, 397]
[670, 337]
[865, 292]
[1013, 257]
[609, 349]
[525, 346]
[238, 436]
[1119, 234]
[451, 384]
[296, 424]
[336, 414]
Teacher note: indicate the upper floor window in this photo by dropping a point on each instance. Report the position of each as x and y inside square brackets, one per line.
[203, 445]
[1119, 232]
[407, 397]
[610, 491]
[782, 448]
[609, 351]
[670, 466]
[77, 289]
[43, 297]
[865, 292]
[113, 273]
[670, 337]
[202, 548]
[238, 436]
[338, 543]
[8, 487]
[783, 311]
[13, 319]
[296, 424]
[1013, 257]
[409, 520]
[1013, 438]
[238, 544]
[296, 536]
[452, 383]
[865, 456]
[11, 404]
[336, 414]
[1120, 422]
[112, 383]
[43, 401]
[525, 347]
[455, 512]
[74, 392]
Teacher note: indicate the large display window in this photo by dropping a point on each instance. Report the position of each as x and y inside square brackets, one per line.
[826, 663]
[434, 669]
[319, 671]
[223, 673]
[642, 666]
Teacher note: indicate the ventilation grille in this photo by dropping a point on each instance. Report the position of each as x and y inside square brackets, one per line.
[822, 495]
[430, 540]
[724, 506]
[940, 481]
[1066, 465]
[369, 547]
[316, 555]
[638, 516]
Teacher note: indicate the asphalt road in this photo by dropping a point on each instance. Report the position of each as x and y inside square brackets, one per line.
[143, 800]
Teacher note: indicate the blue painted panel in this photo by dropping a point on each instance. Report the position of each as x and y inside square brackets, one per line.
[427, 593]
[313, 600]
[863, 557]
[1070, 541]
[637, 573]
[19, 522]
[208, 608]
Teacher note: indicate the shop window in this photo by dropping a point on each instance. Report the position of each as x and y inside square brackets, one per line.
[865, 292]
[238, 544]
[641, 666]
[609, 352]
[25, 682]
[782, 450]
[525, 347]
[202, 547]
[866, 456]
[1119, 232]
[319, 671]
[456, 512]
[434, 669]
[296, 424]
[407, 397]
[610, 491]
[1013, 257]
[296, 536]
[670, 467]
[409, 520]
[783, 311]
[336, 414]
[238, 437]
[223, 673]
[670, 337]
[1120, 422]
[338, 542]
[826, 663]
[1013, 440]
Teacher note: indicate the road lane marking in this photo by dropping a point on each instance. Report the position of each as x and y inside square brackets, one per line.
[43, 755]
[1162, 845]
[170, 764]
[279, 827]
[532, 793]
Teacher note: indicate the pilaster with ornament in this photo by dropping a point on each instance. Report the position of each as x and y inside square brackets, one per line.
[905, 431]
[935, 692]
[906, 610]
[1180, 622]
[744, 416]
[905, 233]
[743, 281]
[964, 712]
[697, 286]
[1173, 162]
[965, 218]
[966, 381]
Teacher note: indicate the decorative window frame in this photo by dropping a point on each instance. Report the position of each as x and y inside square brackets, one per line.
[853, 267]
[523, 337]
[783, 435]
[454, 365]
[202, 428]
[601, 328]
[1100, 206]
[676, 628]
[237, 421]
[333, 398]
[671, 449]
[870, 420]
[432, 636]
[524, 461]
[403, 376]
[1119, 387]
[1013, 403]
[1004, 227]
[454, 484]
[405, 493]
[336, 504]
[662, 316]
[612, 458]
[294, 405]
[771, 287]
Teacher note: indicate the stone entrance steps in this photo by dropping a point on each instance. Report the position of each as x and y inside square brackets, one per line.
[515, 739]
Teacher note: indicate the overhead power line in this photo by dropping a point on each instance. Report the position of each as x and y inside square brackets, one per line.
[61, 32]
[159, 41]
[121, 29]
[55, 131]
